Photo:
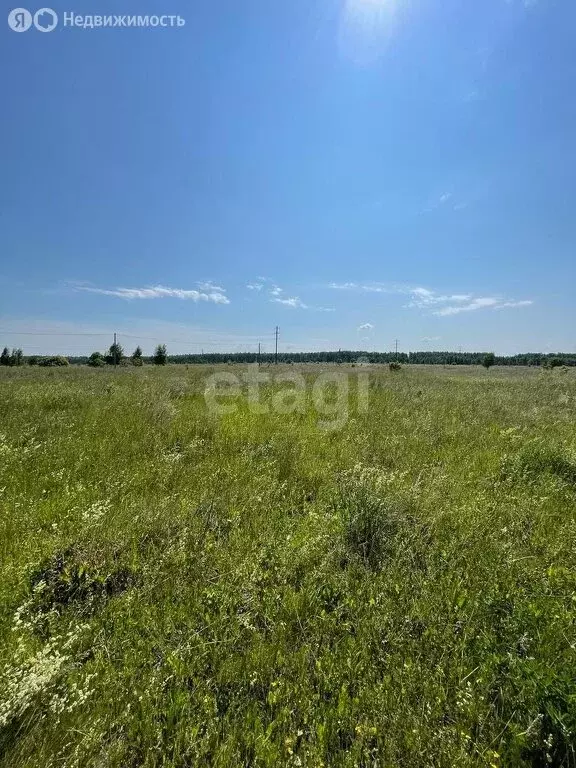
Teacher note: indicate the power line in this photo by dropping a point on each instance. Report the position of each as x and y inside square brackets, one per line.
[49, 333]
[184, 342]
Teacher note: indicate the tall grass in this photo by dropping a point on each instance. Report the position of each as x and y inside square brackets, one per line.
[178, 589]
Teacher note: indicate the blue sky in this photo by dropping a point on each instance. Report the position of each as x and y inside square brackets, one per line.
[353, 171]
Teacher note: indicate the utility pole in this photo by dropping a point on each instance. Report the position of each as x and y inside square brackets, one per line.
[396, 342]
[258, 359]
[115, 352]
[276, 352]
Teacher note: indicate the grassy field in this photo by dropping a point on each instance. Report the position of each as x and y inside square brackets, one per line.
[180, 588]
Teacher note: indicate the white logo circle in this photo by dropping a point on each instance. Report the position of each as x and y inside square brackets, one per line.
[20, 20]
[45, 20]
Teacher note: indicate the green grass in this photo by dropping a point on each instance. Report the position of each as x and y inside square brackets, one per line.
[178, 589]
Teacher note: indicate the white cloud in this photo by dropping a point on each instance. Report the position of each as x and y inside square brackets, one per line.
[427, 339]
[267, 284]
[209, 286]
[160, 292]
[370, 287]
[514, 304]
[423, 297]
[446, 199]
[293, 302]
[438, 303]
[479, 303]
[277, 295]
[454, 304]
[344, 286]
[424, 293]
[488, 302]
[366, 327]
[439, 201]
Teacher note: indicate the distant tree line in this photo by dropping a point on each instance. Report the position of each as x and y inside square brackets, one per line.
[16, 357]
[405, 358]
[115, 355]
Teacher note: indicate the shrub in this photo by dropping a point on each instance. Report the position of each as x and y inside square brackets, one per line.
[52, 362]
[371, 522]
[552, 362]
[537, 459]
[65, 580]
[395, 366]
[136, 358]
[489, 360]
[96, 360]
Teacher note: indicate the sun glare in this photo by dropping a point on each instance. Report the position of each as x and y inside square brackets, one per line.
[366, 27]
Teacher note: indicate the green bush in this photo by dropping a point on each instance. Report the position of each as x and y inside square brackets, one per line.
[552, 362]
[537, 459]
[543, 459]
[489, 360]
[52, 362]
[96, 360]
[370, 523]
[136, 358]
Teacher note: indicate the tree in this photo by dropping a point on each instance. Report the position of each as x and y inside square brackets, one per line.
[96, 360]
[17, 357]
[115, 354]
[489, 360]
[137, 357]
[160, 356]
[5, 357]
[33, 360]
